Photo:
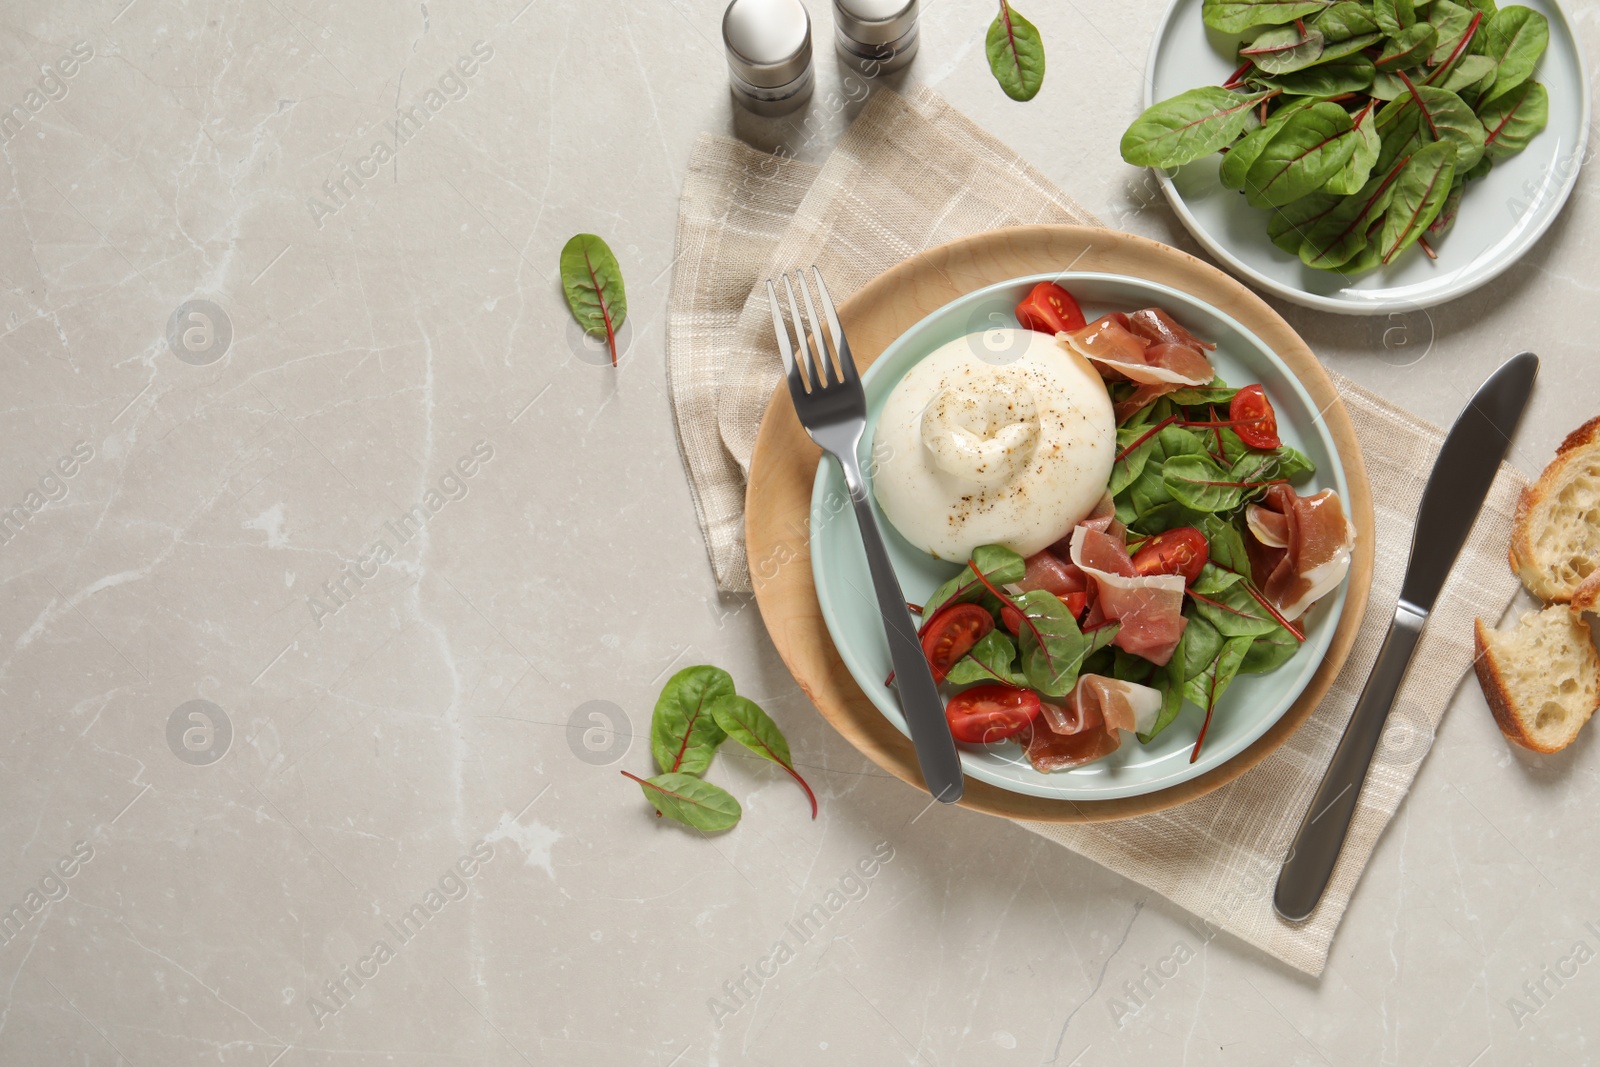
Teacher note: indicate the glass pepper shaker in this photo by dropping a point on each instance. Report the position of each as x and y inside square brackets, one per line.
[769, 54]
[876, 36]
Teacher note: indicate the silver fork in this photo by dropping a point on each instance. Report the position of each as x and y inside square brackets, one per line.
[833, 409]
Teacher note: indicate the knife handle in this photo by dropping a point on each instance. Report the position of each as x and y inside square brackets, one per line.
[1322, 832]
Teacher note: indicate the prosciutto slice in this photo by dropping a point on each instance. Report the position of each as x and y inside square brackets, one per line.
[1102, 518]
[1299, 547]
[1117, 351]
[1148, 607]
[1141, 396]
[1053, 574]
[1159, 328]
[1088, 725]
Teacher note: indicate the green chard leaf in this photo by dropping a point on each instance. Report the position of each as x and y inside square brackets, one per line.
[1200, 484]
[1311, 147]
[1284, 49]
[1224, 600]
[1470, 72]
[1393, 16]
[1125, 471]
[1345, 20]
[1340, 235]
[1349, 46]
[1419, 194]
[1227, 544]
[1053, 648]
[1168, 681]
[1387, 86]
[1187, 126]
[1289, 224]
[1269, 651]
[683, 731]
[1237, 16]
[690, 800]
[1514, 40]
[1148, 491]
[999, 564]
[1200, 395]
[1446, 118]
[1207, 687]
[990, 660]
[592, 281]
[1408, 48]
[1166, 516]
[1358, 168]
[1293, 464]
[1447, 215]
[1400, 127]
[1016, 54]
[1513, 119]
[1450, 22]
[1200, 645]
[1245, 151]
[744, 721]
[1329, 78]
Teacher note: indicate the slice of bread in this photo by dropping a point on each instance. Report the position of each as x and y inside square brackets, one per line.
[1555, 542]
[1541, 678]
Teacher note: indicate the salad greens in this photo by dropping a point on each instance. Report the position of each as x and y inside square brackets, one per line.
[591, 278]
[697, 711]
[1179, 465]
[1358, 123]
[1016, 54]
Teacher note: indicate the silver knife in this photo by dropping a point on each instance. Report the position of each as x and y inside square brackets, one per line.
[1451, 501]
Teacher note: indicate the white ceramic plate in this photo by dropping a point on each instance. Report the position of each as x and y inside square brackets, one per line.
[1501, 216]
[844, 587]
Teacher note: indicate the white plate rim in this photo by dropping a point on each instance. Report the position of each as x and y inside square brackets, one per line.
[1058, 786]
[1377, 305]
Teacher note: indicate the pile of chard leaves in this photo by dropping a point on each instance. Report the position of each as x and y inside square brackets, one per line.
[1357, 123]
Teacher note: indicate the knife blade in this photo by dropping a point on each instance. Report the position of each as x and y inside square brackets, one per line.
[1461, 477]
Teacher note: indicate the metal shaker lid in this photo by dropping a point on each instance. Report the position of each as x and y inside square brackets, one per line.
[768, 41]
[875, 21]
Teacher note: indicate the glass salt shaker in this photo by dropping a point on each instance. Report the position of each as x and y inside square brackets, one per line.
[876, 36]
[769, 54]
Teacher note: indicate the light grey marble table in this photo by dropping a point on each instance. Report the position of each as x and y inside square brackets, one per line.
[403, 854]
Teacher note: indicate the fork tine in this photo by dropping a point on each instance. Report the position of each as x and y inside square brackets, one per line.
[805, 331]
[819, 354]
[803, 347]
[796, 386]
[841, 347]
[802, 359]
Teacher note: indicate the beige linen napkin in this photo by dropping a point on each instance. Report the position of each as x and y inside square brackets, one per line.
[912, 173]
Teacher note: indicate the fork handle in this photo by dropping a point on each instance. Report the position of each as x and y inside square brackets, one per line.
[919, 694]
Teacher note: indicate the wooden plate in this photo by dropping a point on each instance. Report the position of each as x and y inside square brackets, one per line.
[783, 470]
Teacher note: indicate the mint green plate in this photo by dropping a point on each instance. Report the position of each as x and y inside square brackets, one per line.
[844, 588]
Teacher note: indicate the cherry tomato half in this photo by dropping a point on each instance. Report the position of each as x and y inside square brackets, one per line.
[1181, 550]
[1011, 618]
[1050, 309]
[951, 635]
[988, 713]
[1254, 420]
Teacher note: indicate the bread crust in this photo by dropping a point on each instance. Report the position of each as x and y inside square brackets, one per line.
[1582, 437]
[1587, 596]
[1496, 692]
[1521, 553]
